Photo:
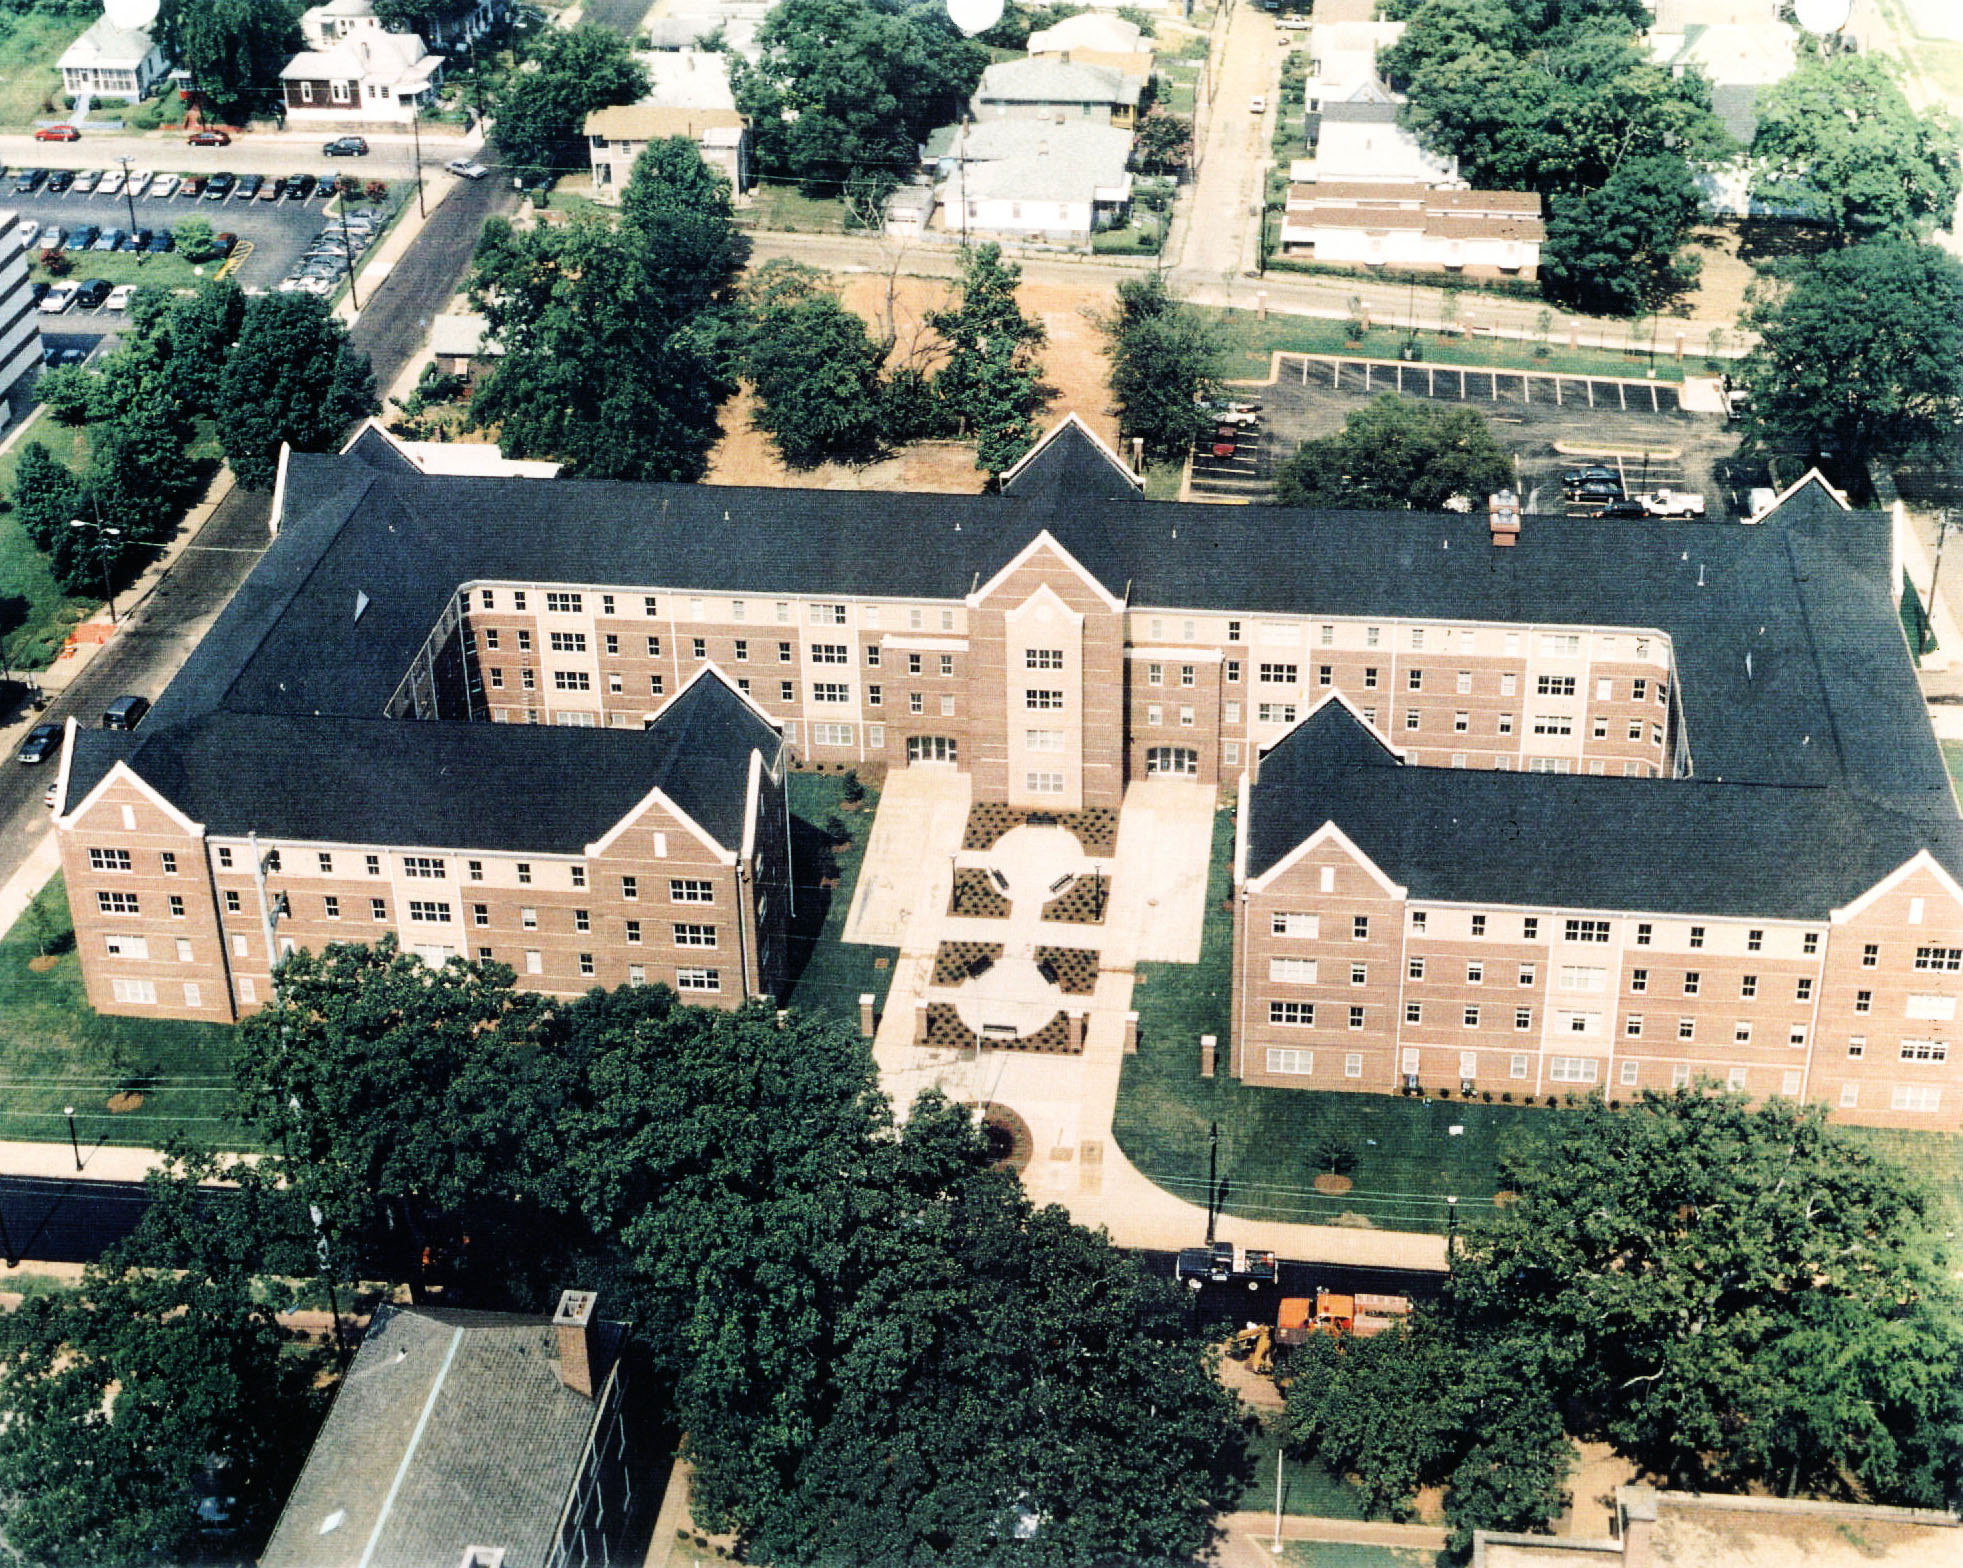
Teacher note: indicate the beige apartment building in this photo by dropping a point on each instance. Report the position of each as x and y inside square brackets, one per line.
[1449, 744]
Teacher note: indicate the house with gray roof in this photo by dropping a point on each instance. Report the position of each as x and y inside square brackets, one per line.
[463, 1439]
[1057, 88]
[1032, 180]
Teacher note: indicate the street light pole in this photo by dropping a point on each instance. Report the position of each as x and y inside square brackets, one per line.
[1935, 573]
[416, 136]
[102, 536]
[1212, 1169]
[74, 1142]
[130, 201]
[1451, 1227]
[347, 252]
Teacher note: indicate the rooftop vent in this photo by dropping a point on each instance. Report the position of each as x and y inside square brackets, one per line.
[1503, 518]
[574, 1324]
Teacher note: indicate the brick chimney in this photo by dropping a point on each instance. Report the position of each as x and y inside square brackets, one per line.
[1503, 516]
[573, 1323]
[1638, 1525]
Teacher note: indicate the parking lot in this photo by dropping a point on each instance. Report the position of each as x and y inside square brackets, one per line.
[279, 232]
[1550, 423]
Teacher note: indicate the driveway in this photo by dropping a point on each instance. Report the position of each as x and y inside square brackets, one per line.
[1216, 240]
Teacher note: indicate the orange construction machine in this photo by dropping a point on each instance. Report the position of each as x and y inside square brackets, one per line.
[1334, 1313]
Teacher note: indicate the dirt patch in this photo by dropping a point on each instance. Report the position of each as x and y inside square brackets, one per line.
[1095, 827]
[945, 1028]
[1351, 1220]
[1591, 1490]
[955, 962]
[974, 893]
[41, 963]
[1075, 968]
[125, 1100]
[1010, 1142]
[1503, 1200]
[1330, 1185]
[1082, 903]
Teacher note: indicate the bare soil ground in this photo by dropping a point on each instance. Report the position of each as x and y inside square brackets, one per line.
[1072, 364]
[1721, 285]
[1591, 1487]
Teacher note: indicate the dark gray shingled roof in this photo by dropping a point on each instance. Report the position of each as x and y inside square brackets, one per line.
[1669, 846]
[1791, 663]
[492, 1441]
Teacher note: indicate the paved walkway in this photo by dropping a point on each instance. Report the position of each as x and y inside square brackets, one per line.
[1246, 1540]
[1158, 881]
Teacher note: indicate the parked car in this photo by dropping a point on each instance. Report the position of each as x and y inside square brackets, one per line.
[86, 181]
[191, 187]
[28, 180]
[299, 186]
[51, 238]
[92, 293]
[222, 244]
[58, 299]
[347, 147]
[1597, 490]
[125, 713]
[1258, 104]
[209, 139]
[1623, 506]
[59, 180]
[1576, 477]
[111, 183]
[1225, 437]
[249, 186]
[160, 242]
[273, 189]
[83, 237]
[139, 241]
[1674, 503]
[119, 297]
[57, 133]
[466, 168]
[26, 230]
[219, 186]
[42, 742]
[139, 181]
[111, 239]
[164, 185]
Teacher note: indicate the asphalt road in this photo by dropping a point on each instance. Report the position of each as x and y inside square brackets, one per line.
[389, 156]
[64, 1221]
[1235, 1303]
[623, 16]
[394, 318]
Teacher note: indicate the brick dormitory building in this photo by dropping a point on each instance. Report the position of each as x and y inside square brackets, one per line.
[1580, 805]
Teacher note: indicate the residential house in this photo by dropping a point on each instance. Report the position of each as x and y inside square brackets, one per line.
[684, 23]
[616, 138]
[108, 61]
[1034, 180]
[1740, 59]
[461, 30]
[1654, 1528]
[909, 211]
[1349, 113]
[354, 71]
[1479, 234]
[463, 1439]
[1093, 38]
[1577, 808]
[1058, 89]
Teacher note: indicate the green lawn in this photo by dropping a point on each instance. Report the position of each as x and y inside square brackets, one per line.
[1251, 342]
[34, 613]
[785, 207]
[1307, 1486]
[1408, 1158]
[29, 83]
[56, 1051]
[1162, 481]
[168, 271]
[834, 973]
[1357, 1554]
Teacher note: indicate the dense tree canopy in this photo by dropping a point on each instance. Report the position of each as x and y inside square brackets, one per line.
[541, 113]
[991, 385]
[813, 367]
[1166, 363]
[1734, 1298]
[1838, 142]
[1620, 248]
[615, 336]
[1396, 453]
[1863, 353]
[234, 49]
[115, 1399]
[881, 1353]
[291, 377]
[849, 89]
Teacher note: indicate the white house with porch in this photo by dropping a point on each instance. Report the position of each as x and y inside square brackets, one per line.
[109, 61]
[355, 71]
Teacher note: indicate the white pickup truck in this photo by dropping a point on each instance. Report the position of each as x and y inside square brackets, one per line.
[1674, 503]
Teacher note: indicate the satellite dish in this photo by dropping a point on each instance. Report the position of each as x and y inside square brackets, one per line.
[131, 16]
[969, 16]
[1822, 16]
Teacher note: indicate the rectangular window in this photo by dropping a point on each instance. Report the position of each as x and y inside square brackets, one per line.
[1693, 982]
[1915, 1097]
[698, 979]
[480, 914]
[568, 642]
[1278, 674]
[1275, 712]
[830, 653]
[1632, 1025]
[1287, 924]
[1471, 1018]
[1864, 1001]
[571, 680]
[1572, 1069]
[1292, 971]
[1741, 1032]
[1042, 659]
[1042, 701]
[524, 641]
[1686, 1028]
[1555, 686]
[232, 905]
[562, 603]
[1155, 675]
[1370, 677]
[1233, 672]
[831, 691]
[787, 691]
[1292, 1015]
[1748, 986]
[176, 906]
[1352, 1064]
[1803, 989]
[831, 734]
[1414, 1012]
[426, 912]
[129, 946]
[1360, 928]
[534, 961]
[654, 647]
[1947, 959]
[1286, 1061]
[1505, 724]
[1356, 1018]
[686, 890]
[1553, 724]
[1044, 783]
[528, 917]
[109, 860]
[1475, 973]
[117, 904]
[134, 991]
[1415, 969]
[1517, 1066]
[947, 664]
[421, 866]
[1527, 974]
[1523, 1018]
[331, 907]
[1359, 974]
[1630, 1071]
[1925, 1051]
[1411, 719]
[1586, 931]
[1696, 936]
[1415, 679]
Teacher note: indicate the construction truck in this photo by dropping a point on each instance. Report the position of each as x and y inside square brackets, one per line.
[1332, 1312]
[1255, 1345]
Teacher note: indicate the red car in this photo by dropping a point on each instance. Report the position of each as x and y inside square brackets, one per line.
[57, 133]
[209, 139]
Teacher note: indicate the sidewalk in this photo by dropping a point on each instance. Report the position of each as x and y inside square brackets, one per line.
[374, 270]
[1246, 1540]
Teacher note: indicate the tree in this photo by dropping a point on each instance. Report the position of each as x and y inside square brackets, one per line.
[541, 112]
[140, 472]
[1837, 141]
[292, 377]
[46, 495]
[1396, 454]
[115, 1399]
[814, 369]
[1736, 1297]
[1165, 142]
[850, 88]
[195, 240]
[1620, 248]
[198, 333]
[68, 392]
[602, 368]
[233, 49]
[1166, 362]
[680, 208]
[992, 382]
[1863, 354]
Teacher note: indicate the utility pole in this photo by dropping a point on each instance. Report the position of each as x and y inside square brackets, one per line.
[1924, 611]
[347, 247]
[1212, 1170]
[129, 200]
[416, 136]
